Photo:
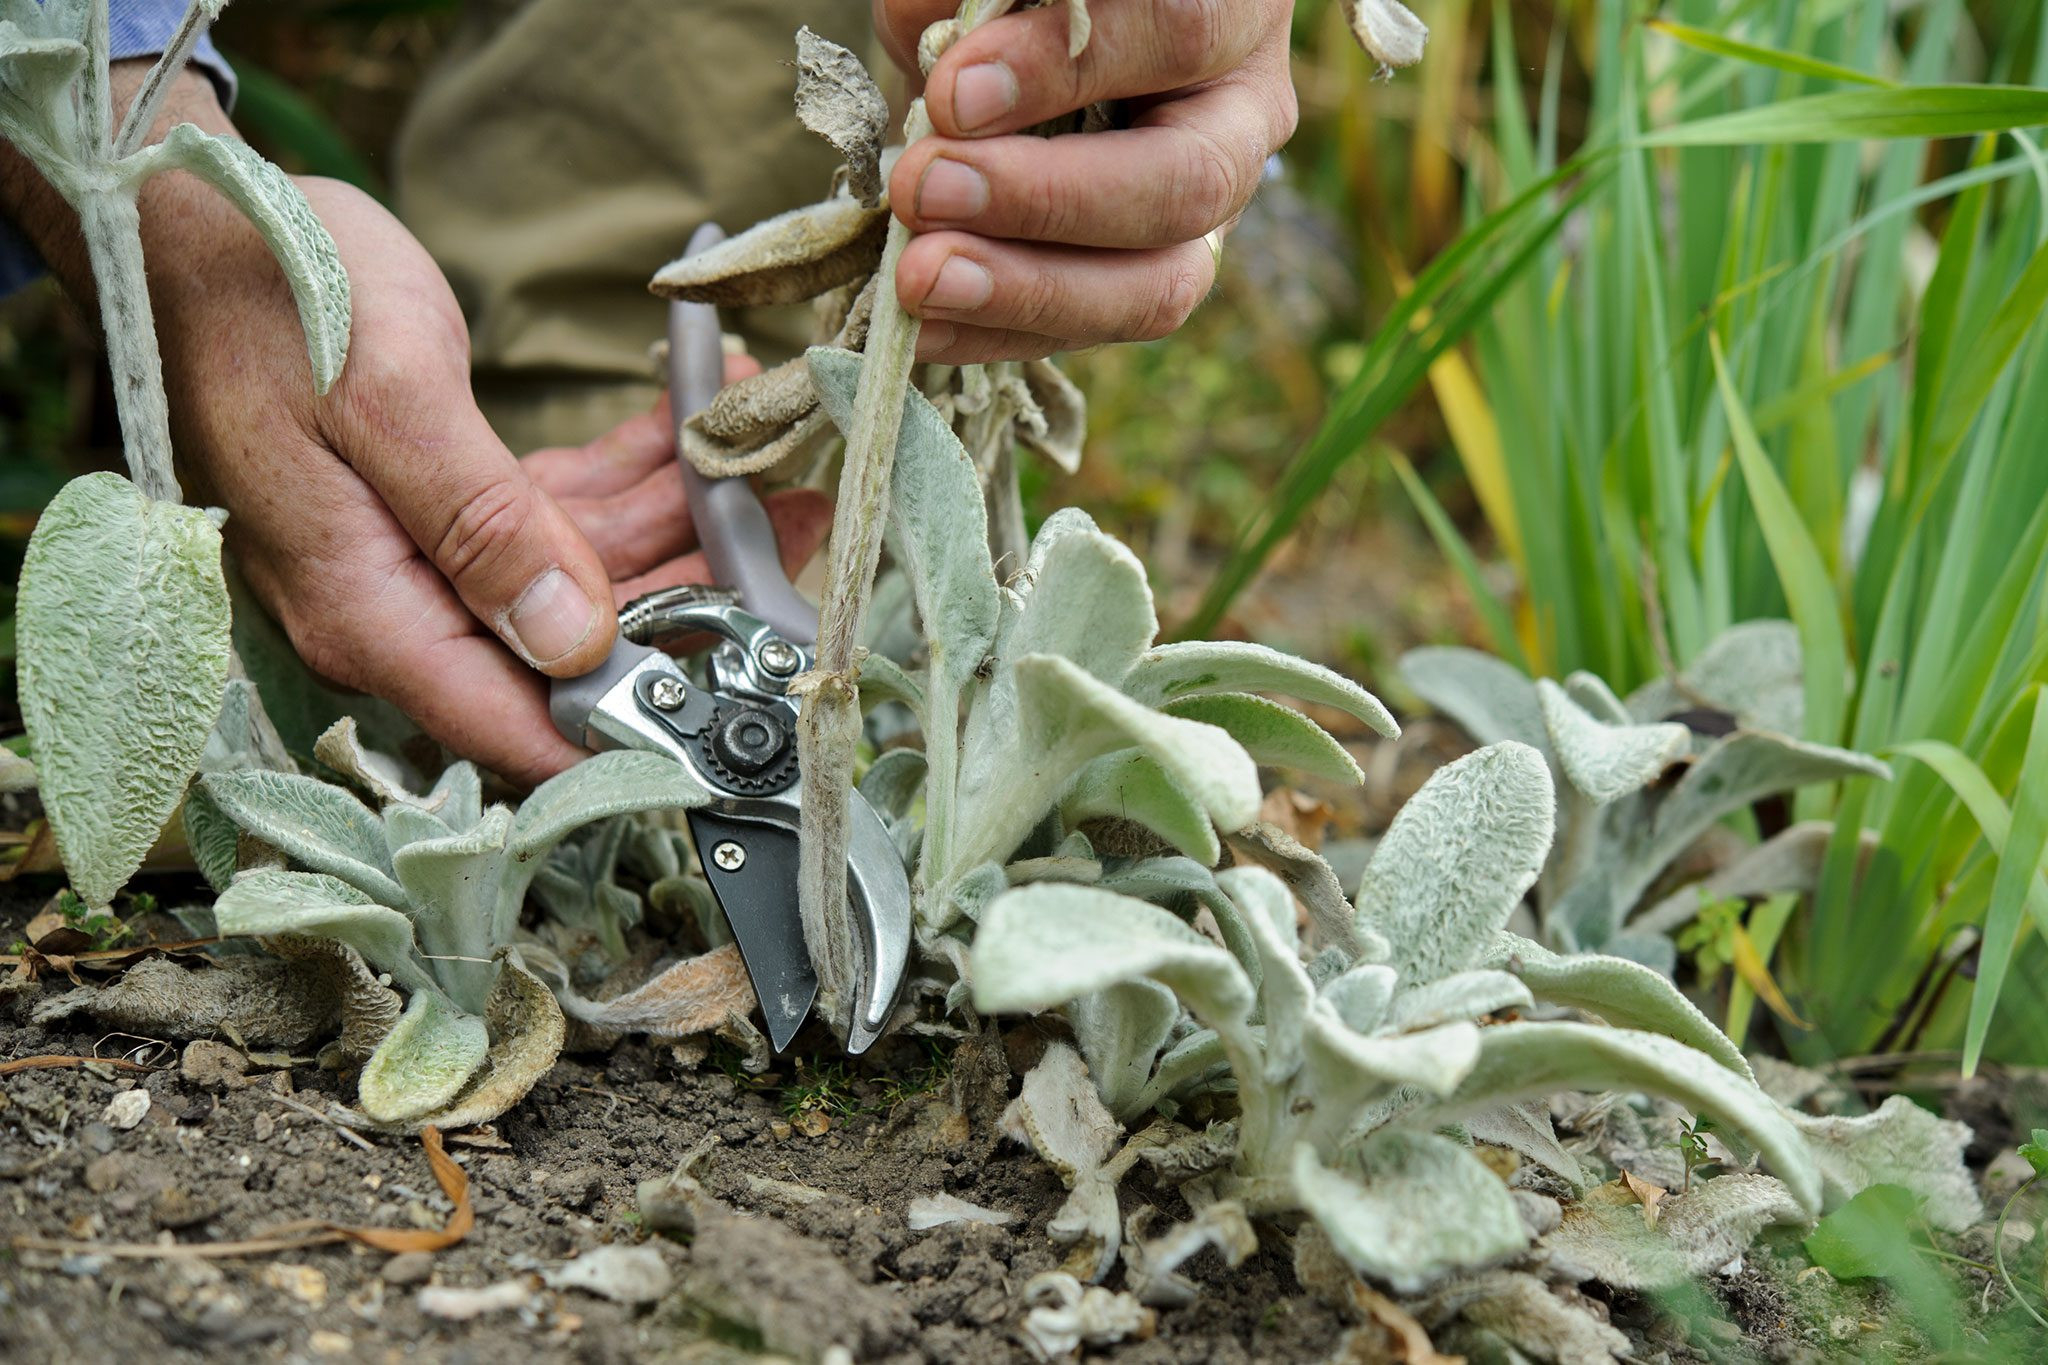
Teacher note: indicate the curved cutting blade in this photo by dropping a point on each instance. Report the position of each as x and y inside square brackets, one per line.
[751, 865]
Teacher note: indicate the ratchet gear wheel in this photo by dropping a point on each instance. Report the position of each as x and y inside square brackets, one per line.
[750, 750]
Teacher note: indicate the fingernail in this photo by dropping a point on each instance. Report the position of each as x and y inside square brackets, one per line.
[951, 192]
[934, 338]
[982, 94]
[550, 618]
[961, 286]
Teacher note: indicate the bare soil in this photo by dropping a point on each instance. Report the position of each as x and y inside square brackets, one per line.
[820, 1163]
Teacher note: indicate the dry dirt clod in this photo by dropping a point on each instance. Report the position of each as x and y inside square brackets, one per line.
[407, 1268]
[213, 1065]
[579, 1188]
[629, 1275]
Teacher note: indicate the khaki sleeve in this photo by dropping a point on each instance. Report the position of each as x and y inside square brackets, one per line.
[562, 150]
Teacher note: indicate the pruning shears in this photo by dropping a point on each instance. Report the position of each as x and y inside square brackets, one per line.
[736, 731]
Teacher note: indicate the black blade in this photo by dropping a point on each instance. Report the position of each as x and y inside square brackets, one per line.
[752, 868]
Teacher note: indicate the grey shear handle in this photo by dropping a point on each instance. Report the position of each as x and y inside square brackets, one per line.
[732, 526]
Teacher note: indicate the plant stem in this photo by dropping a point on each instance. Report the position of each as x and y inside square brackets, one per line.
[942, 795]
[113, 239]
[141, 116]
[1998, 1251]
[828, 727]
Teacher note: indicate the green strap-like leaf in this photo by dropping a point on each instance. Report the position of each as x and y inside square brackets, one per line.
[1624, 993]
[1458, 859]
[271, 902]
[424, 1060]
[1193, 668]
[1426, 1207]
[122, 622]
[1275, 735]
[1025, 959]
[609, 784]
[1528, 1060]
[290, 228]
[1130, 786]
[311, 822]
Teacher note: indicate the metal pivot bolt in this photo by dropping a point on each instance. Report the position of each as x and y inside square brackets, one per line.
[730, 856]
[666, 693]
[780, 658]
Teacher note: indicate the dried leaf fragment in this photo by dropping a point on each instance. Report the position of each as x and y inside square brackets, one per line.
[697, 995]
[1645, 1194]
[786, 259]
[838, 100]
[1390, 34]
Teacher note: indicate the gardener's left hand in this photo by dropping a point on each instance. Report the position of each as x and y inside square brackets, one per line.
[1031, 245]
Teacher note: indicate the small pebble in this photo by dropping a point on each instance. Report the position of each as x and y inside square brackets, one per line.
[407, 1268]
[104, 1173]
[326, 1343]
[302, 1282]
[126, 1109]
[98, 1137]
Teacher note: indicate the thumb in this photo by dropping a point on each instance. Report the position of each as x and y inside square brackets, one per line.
[508, 549]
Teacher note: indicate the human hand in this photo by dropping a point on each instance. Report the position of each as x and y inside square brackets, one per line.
[401, 546]
[1031, 245]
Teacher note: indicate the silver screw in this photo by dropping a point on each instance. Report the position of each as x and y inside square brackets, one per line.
[666, 693]
[729, 856]
[780, 658]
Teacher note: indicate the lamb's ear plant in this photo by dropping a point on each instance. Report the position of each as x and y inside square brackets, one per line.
[123, 615]
[1640, 783]
[1358, 1076]
[429, 891]
[851, 244]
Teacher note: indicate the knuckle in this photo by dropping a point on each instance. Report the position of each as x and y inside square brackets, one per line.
[1217, 179]
[485, 528]
[1049, 212]
[1286, 114]
[327, 648]
[1192, 34]
[1038, 302]
[1182, 286]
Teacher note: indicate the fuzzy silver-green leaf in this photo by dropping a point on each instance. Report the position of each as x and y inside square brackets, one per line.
[122, 628]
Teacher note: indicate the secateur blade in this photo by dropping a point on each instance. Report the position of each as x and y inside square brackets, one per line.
[736, 733]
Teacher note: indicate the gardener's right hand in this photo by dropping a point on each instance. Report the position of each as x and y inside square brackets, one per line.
[403, 548]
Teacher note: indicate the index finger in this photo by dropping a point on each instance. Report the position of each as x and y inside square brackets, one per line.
[1016, 72]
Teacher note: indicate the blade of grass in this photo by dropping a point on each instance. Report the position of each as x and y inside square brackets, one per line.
[1800, 568]
[1491, 610]
[1793, 63]
[2018, 871]
[1854, 115]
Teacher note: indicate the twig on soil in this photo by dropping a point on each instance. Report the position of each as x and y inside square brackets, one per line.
[337, 1125]
[111, 954]
[52, 1060]
[130, 1054]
